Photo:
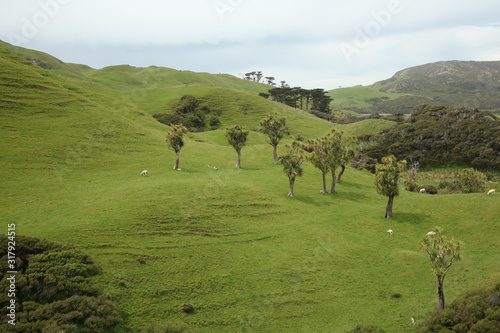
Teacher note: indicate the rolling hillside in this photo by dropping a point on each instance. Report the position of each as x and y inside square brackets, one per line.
[228, 241]
[450, 83]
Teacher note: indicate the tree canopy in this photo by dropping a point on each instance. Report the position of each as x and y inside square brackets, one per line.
[237, 137]
[439, 135]
[275, 128]
[442, 253]
[387, 180]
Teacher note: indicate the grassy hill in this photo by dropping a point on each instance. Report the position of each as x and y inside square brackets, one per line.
[450, 83]
[228, 241]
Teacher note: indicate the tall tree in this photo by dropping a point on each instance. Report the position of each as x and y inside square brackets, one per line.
[387, 180]
[237, 137]
[275, 128]
[320, 101]
[258, 76]
[443, 253]
[176, 142]
[292, 163]
[320, 157]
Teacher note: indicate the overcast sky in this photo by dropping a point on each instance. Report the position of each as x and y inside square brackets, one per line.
[312, 44]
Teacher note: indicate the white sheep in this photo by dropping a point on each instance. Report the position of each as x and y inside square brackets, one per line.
[390, 232]
[412, 321]
[422, 190]
[144, 173]
[431, 233]
[491, 192]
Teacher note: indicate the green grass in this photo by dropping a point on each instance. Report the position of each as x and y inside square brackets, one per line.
[230, 241]
[358, 96]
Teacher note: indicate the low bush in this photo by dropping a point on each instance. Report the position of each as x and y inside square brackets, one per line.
[477, 311]
[55, 292]
[429, 189]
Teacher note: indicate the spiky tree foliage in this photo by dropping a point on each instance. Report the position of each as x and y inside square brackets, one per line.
[443, 253]
[175, 141]
[319, 157]
[237, 137]
[348, 151]
[275, 128]
[335, 154]
[387, 180]
[292, 163]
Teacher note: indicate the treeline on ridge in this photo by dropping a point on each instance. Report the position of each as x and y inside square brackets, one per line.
[300, 98]
[439, 135]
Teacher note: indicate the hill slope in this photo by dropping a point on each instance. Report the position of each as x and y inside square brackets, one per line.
[451, 83]
[229, 241]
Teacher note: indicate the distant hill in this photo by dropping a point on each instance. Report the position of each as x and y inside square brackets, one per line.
[452, 83]
[125, 77]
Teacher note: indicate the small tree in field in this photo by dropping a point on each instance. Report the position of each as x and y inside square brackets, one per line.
[292, 163]
[275, 128]
[334, 154]
[176, 142]
[347, 154]
[237, 137]
[320, 157]
[387, 180]
[443, 253]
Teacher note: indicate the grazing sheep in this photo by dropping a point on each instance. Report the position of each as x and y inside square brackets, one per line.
[412, 321]
[390, 232]
[144, 173]
[422, 190]
[431, 233]
[491, 192]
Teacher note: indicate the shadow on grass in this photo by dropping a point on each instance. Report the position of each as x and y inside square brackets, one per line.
[410, 218]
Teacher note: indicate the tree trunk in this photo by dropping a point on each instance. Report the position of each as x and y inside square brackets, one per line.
[323, 191]
[292, 182]
[275, 152]
[238, 163]
[388, 210]
[439, 284]
[341, 172]
[176, 166]
[334, 179]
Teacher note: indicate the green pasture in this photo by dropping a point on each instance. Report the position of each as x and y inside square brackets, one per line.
[228, 241]
[358, 96]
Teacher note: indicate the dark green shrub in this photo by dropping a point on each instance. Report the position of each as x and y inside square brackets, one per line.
[214, 122]
[486, 326]
[472, 181]
[55, 292]
[361, 328]
[429, 189]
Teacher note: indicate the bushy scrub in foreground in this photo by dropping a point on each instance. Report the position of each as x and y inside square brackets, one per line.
[53, 290]
[477, 311]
